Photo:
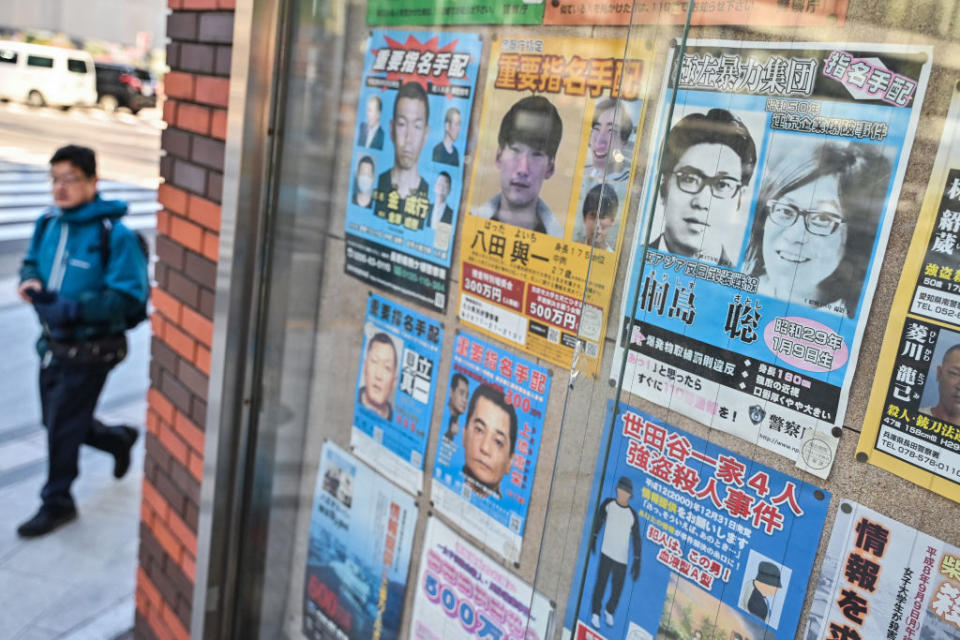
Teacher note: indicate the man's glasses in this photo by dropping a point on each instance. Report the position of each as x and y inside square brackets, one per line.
[819, 223]
[693, 181]
[67, 180]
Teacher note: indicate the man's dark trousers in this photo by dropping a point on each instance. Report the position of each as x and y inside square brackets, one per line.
[606, 567]
[68, 396]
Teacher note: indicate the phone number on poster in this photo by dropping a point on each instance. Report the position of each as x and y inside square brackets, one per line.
[917, 453]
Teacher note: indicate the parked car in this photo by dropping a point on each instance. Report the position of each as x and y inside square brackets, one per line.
[40, 75]
[122, 85]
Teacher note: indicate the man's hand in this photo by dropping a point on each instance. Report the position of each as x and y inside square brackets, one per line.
[29, 285]
[53, 310]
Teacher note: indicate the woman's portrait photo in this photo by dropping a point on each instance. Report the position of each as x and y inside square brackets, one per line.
[363, 182]
[815, 221]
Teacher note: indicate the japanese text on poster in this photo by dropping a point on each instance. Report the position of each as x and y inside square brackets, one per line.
[491, 431]
[407, 166]
[550, 183]
[358, 556]
[883, 580]
[912, 425]
[778, 181]
[767, 13]
[395, 390]
[431, 12]
[684, 536]
[463, 594]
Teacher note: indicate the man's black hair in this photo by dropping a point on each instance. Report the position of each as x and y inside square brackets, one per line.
[367, 160]
[544, 136]
[383, 338]
[601, 200]
[497, 398]
[82, 158]
[449, 180]
[717, 126]
[623, 120]
[456, 379]
[413, 91]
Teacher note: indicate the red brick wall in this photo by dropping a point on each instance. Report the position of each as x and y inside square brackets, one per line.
[198, 54]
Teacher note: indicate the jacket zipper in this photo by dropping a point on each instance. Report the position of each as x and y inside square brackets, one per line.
[59, 268]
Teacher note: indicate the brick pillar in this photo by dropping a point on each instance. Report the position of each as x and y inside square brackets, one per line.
[200, 33]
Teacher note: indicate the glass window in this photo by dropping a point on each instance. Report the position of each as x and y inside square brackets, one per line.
[40, 61]
[8, 57]
[552, 267]
[76, 66]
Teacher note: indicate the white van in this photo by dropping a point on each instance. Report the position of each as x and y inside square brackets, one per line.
[41, 75]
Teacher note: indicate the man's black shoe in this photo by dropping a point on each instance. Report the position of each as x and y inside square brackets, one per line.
[121, 459]
[46, 520]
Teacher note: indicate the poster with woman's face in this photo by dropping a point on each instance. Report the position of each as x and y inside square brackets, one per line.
[816, 219]
[763, 221]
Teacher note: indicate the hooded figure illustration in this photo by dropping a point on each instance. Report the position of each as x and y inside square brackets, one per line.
[759, 599]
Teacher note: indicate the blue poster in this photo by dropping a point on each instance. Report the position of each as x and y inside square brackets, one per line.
[490, 434]
[685, 539]
[763, 228]
[407, 167]
[358, 556]
[396, 382]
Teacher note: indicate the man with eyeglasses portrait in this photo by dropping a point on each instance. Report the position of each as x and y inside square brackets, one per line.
[708, 162]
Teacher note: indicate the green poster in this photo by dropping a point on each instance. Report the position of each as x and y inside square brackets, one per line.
[436, 12]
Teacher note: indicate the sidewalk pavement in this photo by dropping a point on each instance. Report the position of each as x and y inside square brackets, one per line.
[79, 581]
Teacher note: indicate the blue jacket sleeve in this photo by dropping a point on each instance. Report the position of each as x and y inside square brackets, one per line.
[125, 281]
[29, 269]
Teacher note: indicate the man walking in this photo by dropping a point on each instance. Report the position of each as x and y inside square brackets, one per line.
[86, 276]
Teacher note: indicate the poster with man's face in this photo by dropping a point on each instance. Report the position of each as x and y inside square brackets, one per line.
[764, 217]
[410, 142]
[490, 435]
[912, 423]
[396, 384]
[549, 193]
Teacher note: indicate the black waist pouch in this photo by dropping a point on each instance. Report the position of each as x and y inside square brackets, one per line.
[102, 350]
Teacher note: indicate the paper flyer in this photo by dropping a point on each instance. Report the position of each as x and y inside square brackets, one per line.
[431, 12]
[407, 166]
[549, 194]
[463, 594]
[763, 13]
[683, 537]
[763, 226]
[358, 557]
[912, 424]
[396, 383]
[882, 579]
[492, 427]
